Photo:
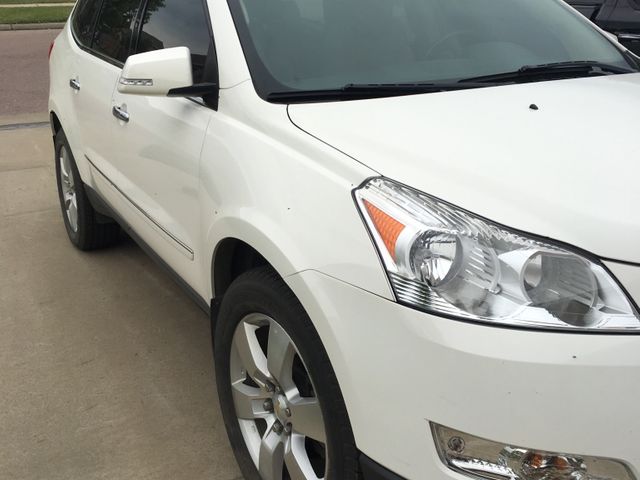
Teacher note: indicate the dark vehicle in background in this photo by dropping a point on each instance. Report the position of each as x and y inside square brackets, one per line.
[620, 17]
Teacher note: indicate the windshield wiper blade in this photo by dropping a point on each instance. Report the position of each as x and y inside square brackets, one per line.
[355, 91]
[587, 64]
[552, 70]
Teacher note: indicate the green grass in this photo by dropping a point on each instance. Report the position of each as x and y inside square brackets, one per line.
[10, 2]
[34, 14]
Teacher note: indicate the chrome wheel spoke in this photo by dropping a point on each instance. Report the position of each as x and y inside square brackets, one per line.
[280, 355]
[253, 359]
[65, 177]
[306, 418]
[297, 460]
[67, 186]
[64, 164]
[70, 178]
[248, 401]
[271, 457]
[73, 213]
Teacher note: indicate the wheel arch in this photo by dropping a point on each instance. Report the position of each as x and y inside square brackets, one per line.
[60, 122]
[231, 258]
[239, 244]
[56, 125]
[234, 255]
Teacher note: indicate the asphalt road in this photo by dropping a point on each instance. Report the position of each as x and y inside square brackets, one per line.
[24, 71]
[105, 364]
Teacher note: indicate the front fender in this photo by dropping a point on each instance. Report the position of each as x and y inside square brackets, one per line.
[284, 193]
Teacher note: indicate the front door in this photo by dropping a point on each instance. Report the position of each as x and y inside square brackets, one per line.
[158, 145]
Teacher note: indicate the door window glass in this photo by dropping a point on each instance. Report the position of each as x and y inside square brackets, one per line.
[177, 23]
[83, 19]
[114, 28]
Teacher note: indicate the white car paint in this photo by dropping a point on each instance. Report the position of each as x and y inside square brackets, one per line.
[141, 74]
[568, 392]
[281, 179]
[552, 171]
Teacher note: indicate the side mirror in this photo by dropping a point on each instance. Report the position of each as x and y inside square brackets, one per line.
[157, 73]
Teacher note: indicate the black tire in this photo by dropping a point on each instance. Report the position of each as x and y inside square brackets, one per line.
[93, 231]
[263, 291]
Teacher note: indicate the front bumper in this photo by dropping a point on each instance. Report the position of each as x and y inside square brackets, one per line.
[399, 369]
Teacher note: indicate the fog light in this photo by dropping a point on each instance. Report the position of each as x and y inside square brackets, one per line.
[485, 459]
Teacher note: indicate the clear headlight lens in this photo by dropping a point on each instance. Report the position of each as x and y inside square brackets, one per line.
[448, 261]
[485, 459]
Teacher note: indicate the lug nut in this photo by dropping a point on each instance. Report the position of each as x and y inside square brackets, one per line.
[288, 429]
[287, 412]
[268, 405]
[278, 428]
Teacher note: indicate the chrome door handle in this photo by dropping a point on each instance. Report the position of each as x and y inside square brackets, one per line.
[75, 84]
[120, 114]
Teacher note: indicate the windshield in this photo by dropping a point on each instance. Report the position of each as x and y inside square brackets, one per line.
[294, 45]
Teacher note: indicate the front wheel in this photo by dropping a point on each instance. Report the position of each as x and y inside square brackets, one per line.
[280, 399]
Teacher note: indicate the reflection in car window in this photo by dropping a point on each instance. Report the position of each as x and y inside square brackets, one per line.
[113, 32]
[177, 23]
[326, 44]
[83, 18]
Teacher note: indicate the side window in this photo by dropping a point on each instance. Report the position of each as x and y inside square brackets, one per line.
[84, 17]
[114, 28]
[177, 23]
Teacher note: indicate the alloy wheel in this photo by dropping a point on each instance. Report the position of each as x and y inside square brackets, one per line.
[275, 402]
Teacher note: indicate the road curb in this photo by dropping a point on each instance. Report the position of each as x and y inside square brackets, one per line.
[23, 118]
[31, 26]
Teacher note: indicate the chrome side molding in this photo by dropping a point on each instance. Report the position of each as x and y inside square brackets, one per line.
[176, 241]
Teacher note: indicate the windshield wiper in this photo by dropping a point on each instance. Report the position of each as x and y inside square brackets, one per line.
[527, 73]
[355, 91]
[572, 69]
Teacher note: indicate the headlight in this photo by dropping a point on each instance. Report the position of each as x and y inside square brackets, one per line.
[445, 260]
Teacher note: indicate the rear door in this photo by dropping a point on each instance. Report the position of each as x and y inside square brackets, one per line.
[102, 30]
[158, 149]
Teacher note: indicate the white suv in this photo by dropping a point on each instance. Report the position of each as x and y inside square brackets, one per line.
[414, 222]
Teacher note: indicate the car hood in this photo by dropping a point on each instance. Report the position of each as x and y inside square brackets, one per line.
[569, 170]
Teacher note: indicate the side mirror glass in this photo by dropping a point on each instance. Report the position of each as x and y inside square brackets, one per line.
[157, 73]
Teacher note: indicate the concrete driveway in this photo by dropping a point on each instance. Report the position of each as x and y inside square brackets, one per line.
[105, 365]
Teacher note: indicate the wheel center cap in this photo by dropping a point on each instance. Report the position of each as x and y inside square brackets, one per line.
[281, 407]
